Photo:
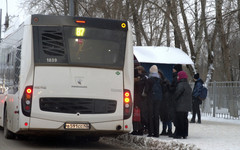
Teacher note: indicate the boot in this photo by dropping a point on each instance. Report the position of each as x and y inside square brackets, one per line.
[192, 121]
[139, 132]
[134, 133]
[164, 132]
[169, 132]
[173, 134]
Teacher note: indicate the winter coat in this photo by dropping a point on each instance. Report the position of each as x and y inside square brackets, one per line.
[165, 103]
[197, 88]
[174, 83]
[183, 96]
[172, 103]
[138, 89]
[149, 84]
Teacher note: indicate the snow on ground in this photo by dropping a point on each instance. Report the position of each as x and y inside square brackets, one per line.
[212, 134]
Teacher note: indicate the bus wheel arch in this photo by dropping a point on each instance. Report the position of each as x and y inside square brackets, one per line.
[7, 134]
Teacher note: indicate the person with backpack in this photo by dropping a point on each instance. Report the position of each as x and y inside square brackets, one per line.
[196, 101]
[154, 96]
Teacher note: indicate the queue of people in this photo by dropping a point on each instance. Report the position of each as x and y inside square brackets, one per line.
[158, 99]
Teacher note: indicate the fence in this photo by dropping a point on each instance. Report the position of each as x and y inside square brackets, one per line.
[223, 100]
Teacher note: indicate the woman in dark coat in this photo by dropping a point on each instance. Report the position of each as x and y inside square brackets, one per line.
[164, 107]
[172, 104]
[183, 98]
[139, 84]
[153, 81]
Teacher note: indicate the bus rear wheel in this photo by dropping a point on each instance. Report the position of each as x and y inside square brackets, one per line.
[7, 134]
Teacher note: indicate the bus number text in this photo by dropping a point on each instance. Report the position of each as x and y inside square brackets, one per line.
[52, 60]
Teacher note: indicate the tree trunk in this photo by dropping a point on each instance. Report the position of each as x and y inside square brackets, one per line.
[187, 29]
[161, 32]
[238, 14]
[65, 7]
[196, 19]
[136, 23]
[126, 14]
[224, 45]
[174, 22]
[168, 27]
[210, 47]
[199, 36]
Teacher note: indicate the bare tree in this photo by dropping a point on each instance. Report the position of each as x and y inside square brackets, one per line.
[238, 2]
[187, 30]
[222, 36]
[189, 25]
[136, 22]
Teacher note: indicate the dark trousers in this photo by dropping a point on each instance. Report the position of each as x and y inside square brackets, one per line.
[181, 124]
[144, 113]
[153, 116]
[167, 124]
[196, 110]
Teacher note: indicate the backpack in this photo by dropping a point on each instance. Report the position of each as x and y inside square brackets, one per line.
[203, 94]
[156, 93]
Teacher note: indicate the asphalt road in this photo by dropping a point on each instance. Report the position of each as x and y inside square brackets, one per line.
[52, 143]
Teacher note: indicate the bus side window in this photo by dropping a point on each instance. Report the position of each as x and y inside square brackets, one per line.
[1, 90]
[17, 64]
[8, 58]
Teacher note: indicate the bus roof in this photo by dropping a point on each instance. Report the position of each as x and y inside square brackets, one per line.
[51, 20]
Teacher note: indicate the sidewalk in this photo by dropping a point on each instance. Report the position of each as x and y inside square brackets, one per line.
[215, 134]
[212, 134]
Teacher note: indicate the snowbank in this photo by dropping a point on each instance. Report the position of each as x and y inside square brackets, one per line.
[212, 134]
[129, 141]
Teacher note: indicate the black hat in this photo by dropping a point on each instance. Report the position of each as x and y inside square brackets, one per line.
[178, 67]
[196, 76]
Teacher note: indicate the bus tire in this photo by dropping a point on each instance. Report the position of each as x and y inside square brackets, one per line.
[7, 134]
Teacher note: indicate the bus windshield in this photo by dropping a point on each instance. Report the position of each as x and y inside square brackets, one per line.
[81, 46]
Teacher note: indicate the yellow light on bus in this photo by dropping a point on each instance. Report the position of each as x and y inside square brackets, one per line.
[123, 25]
[80, 31]
[29, 91]
[127, 100]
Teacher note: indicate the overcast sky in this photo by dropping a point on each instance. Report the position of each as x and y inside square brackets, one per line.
[13, 10]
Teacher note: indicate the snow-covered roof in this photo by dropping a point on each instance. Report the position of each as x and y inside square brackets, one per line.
[162, 55]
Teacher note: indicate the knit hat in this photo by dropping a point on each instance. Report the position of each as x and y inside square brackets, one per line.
[182, 75]
[153, 69]
[178, 67]
[196, 76]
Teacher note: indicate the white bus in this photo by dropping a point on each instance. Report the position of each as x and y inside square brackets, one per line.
[69, 75]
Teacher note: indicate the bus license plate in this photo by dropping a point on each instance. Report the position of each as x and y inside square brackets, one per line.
[85, 126]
